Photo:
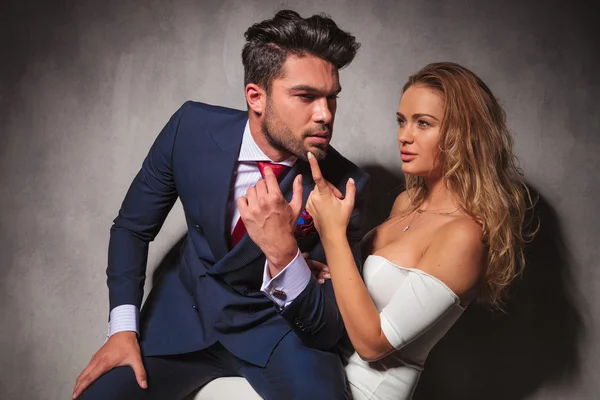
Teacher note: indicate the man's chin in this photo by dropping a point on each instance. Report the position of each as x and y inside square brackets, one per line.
[320, 152]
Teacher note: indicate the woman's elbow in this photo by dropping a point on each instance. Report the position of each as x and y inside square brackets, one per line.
[373, 353]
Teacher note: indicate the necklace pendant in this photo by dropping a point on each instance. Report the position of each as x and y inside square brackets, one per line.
[406, 228]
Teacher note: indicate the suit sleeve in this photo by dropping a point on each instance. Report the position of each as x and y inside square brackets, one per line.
[314, 315]
[143, 212]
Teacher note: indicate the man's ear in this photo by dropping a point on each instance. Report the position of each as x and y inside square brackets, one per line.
[256, 98]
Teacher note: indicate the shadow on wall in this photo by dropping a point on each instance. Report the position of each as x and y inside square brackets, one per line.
[496, 356]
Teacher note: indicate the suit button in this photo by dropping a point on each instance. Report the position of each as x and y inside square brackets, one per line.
[247, 292]
[198, 228]
[194, 306]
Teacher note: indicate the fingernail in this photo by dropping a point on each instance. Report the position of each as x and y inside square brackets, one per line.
[351, 180]
[327, 276]
[321, 281]
[145, 384]
[310, 155]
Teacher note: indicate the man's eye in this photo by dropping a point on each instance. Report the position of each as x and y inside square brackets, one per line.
[306, 96]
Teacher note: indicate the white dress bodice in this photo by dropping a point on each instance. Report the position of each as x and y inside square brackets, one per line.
[416, 311]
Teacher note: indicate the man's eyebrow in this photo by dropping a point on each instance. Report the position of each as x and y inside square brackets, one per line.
[312, 89]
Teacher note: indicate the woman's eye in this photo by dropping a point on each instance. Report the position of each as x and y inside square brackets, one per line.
[401, 122]
[423, 123]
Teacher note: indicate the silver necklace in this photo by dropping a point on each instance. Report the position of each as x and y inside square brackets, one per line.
[421, 211]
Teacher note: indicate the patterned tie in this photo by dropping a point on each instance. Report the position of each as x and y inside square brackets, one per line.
[240, 230]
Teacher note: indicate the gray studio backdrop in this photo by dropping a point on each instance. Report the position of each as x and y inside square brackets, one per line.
[86, 86]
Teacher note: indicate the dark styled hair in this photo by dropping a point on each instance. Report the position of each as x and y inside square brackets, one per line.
[270, 42]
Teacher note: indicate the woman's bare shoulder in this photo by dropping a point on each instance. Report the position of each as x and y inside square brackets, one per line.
[456, 255]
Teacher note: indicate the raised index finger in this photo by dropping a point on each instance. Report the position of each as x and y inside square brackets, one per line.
[271, 181]
[316, 172]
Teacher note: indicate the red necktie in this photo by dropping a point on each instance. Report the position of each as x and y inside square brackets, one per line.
[240, 230]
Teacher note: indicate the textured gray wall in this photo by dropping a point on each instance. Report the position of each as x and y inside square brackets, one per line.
[86, 86]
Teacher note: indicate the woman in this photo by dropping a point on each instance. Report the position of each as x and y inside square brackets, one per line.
[454, 236]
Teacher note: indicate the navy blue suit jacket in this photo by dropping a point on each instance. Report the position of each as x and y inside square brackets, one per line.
[212, 293]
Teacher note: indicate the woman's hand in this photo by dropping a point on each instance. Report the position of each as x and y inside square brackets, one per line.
[318, 269]
[330, 214]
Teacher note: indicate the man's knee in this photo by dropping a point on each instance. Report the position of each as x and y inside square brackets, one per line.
[119, 383]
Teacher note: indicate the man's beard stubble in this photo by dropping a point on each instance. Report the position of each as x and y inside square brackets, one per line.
[281, 137]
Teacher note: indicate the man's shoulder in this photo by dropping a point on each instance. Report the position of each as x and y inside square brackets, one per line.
[200, 108]
[196, 117]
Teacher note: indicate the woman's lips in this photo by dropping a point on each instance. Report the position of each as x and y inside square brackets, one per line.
[406, 157]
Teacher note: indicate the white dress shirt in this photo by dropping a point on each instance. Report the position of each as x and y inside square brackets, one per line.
[291, 280]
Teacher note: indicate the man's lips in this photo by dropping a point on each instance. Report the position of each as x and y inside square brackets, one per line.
[320, 137]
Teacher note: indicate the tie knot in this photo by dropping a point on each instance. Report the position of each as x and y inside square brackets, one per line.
[278, 169]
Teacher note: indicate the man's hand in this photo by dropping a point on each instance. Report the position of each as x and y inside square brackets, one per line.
[121, 349]
[270, 220]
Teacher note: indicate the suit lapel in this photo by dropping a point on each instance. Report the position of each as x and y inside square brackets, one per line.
[303, 168]
[221, 161]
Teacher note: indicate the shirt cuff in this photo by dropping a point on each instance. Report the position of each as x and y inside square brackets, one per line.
[288, 284]
[124, 318]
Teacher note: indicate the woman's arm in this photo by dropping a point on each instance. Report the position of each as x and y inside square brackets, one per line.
[331, 216]
[360, 316]
[455, 257]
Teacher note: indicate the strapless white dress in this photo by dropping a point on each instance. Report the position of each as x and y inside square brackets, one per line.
[416, 311]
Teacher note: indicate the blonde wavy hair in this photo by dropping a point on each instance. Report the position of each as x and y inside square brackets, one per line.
[480, 169]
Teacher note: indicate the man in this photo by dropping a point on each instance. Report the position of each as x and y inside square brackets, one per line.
[235, 304]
